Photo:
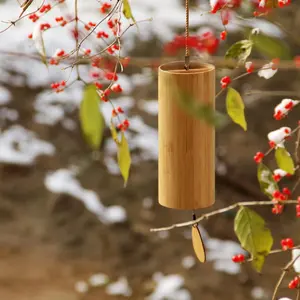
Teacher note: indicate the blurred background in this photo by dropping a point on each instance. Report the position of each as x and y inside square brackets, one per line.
[69, 230]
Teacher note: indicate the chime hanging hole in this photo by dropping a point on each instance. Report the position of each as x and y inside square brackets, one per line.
[198, 244]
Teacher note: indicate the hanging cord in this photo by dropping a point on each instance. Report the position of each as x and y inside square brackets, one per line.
[187, 21]
[194, 215]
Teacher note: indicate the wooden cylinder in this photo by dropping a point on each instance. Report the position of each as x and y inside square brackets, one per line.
[186, 144]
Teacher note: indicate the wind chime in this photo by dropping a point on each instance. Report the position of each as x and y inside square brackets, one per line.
[186, 144]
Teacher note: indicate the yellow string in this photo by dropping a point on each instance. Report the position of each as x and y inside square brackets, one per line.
[187, 21]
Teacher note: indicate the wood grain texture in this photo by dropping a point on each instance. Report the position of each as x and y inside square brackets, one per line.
[186, 144]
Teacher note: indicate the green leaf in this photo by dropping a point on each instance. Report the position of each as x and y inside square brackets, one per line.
[266, 181]
[253, 236]
[235, 107]
[91, 119]
[284, 160]
[127, 10]
[37, 37]
[124, 159]
[240, 51]
[114, 133]
[270, 46]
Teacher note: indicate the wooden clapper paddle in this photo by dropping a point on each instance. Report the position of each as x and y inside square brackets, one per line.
[186, 144]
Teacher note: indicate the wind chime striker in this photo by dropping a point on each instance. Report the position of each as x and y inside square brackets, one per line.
[186, 144]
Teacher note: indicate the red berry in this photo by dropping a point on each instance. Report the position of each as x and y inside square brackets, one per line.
[272, 144]
[292, 285]
[276, 194]
[258, 157]
[297, 61]
[223, 35]
[235, 258]
[120, 110]
[287, 192]
[277, 209]
[98, 85]
[241, 258]
[287, 244]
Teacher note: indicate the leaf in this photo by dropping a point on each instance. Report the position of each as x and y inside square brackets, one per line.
[270, 47]
[114, 133]
[124, 159]
[198, 245]
[203, 112]
[266, 181]
[240, 51]
[235, 107]
[91, 119]
[253, 235]
[25, 6]
[284, 160]
[37, 37]
[127, 10]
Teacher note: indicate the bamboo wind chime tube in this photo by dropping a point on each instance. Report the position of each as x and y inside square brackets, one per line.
[186, 144]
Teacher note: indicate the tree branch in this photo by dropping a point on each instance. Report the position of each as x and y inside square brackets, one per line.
[220, 211]
[286, 269]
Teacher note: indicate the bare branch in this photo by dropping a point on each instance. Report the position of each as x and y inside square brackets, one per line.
[220, 211]
[286, 269]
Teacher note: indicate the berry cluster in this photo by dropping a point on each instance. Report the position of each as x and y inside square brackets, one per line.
[58, 86]
[258, 157]
[225, 81]
[278, 174]
[283, 108]
[105, 8]
[221, 4]
[206, 42]
[278, 198]
[287, 244]
[240, 258]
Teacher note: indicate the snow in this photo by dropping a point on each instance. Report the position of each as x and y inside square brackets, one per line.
[280, 172]
[147, 203]
[21, 146]
[169, 287]
[281, 106]
[188, 262]
[64, 181]
[5, 95]
[149, 106]
[220, 253]
[295, 254]
[98, 280]
[81, 287]
[278, 136]
[120, 287]
[146, 139]
[8, 114]
[163, 234]
[50, 107]
[258, 293]
[266, 71]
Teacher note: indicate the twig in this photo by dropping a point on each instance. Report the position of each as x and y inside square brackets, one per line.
[274, 93]
[284, 272]
[298, 294]
[220, 211]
